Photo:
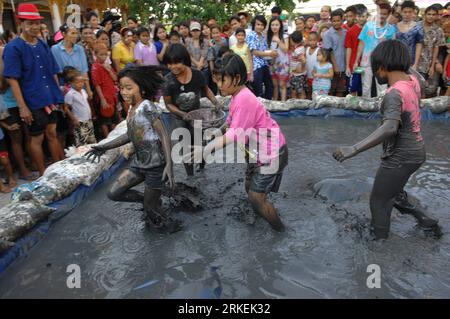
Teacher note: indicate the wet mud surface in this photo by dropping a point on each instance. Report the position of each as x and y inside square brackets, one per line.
[226, 251]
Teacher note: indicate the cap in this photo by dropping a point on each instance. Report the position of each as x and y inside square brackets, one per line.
[195, 26]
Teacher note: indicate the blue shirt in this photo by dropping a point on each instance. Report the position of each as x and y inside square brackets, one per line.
[259, 43]
[76, 58]
[159, 46]
[372, 35]
[2, 136]
[34, 67]
[335, 40]
[411, 38]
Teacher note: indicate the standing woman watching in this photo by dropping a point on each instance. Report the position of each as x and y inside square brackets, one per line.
[198, 48]
[257, 43]
[161, 41]
[123, 52]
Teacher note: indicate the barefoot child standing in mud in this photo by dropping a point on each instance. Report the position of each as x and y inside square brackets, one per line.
[152, 161]
[400, 133]
[249, 123]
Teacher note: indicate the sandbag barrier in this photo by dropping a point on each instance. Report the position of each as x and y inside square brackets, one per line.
[31, 203]
[27, 218]
[349, 106]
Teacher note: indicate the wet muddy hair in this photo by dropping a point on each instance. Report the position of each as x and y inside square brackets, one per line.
[147, 77]
[391, 55]
[177, 53]
[233, 66]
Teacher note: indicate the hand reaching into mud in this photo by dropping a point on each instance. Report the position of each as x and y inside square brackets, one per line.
[168, 174]
[344, 152]
[96, 152]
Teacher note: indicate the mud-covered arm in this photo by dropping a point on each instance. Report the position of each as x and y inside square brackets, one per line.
[173, 108]
[167, 149]
[117, 142]
[391, 107]
[210, 95]
[386, 130]
[165, 140]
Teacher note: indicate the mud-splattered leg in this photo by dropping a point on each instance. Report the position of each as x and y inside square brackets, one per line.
[156, 217]
[265, 208]
[120, 190]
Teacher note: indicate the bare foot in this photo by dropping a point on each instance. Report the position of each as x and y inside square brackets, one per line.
[5, 189]
[12, 182]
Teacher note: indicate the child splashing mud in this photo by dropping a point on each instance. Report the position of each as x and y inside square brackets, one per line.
[247, 114]
[403, 146]
[152, 161]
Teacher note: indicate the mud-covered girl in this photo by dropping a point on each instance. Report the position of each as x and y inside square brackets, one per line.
[152, 161]
[400, 133]
[249, 124]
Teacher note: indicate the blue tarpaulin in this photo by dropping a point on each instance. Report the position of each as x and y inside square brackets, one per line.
[327, 112]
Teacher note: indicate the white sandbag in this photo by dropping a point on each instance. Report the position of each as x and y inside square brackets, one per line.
[437, 104]
[357, 103]
[21, 215]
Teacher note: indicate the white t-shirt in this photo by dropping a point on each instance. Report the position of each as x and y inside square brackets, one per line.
[78, 101]
[311, 60]
[298, 52]
[232, 40]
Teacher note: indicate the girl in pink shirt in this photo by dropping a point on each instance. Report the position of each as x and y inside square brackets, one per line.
[250, 126]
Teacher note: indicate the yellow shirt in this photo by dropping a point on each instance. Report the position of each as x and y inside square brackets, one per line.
[243, 53]
[124, 54]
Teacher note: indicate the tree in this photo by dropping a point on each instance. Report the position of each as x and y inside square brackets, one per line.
[178, 11]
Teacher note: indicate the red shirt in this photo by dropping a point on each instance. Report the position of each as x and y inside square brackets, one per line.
[102, 78]
[351, 41]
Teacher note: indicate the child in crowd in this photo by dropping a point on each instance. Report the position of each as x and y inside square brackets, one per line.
[145, 51]
[297, 66]
[241, 48]
[79, 112]
[351, 45]
[104, 80]
[311, 60]
[249, 124]
[322, 73]
[152, 162]
[4, 160]
[174, 37]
